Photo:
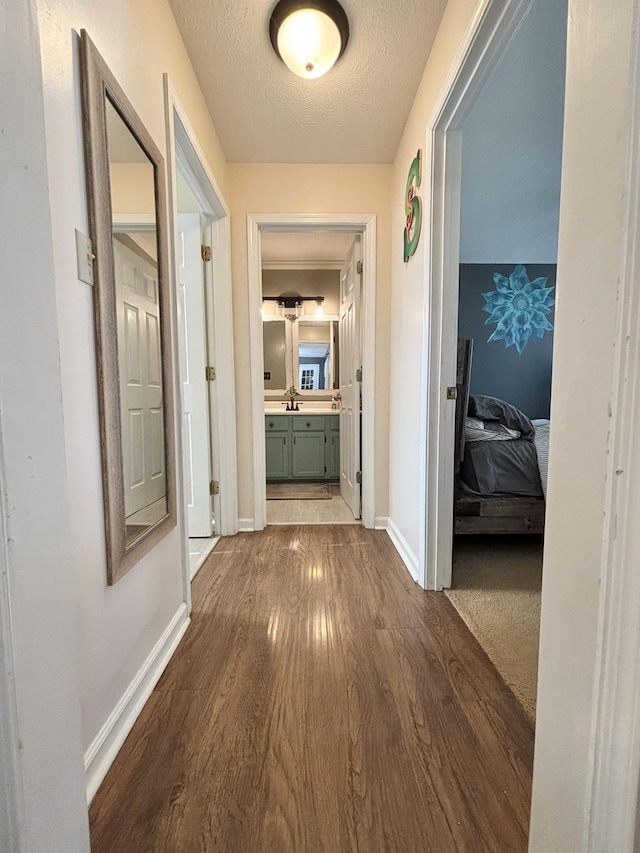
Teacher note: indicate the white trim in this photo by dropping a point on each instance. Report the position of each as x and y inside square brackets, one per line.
[380, 522]
[493, 26]
[402, 547]
[615, 740]
[105, 746]
[246, 525]
[183, 148]
[285, 222]
[12, 807]
[124, 222]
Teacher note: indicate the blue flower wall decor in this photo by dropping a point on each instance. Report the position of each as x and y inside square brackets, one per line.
[519, 307]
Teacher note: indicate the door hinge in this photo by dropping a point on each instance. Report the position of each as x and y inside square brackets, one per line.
[359, 375]
[214, 487]
[358, 476]
[452, 392]
[210, 373]
[205, 251]
[359, 267]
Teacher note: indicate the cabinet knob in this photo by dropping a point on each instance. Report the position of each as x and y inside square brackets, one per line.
[308, 423]
[270, 423]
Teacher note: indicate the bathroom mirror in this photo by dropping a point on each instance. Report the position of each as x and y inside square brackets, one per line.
[303, 352]
[127, 209]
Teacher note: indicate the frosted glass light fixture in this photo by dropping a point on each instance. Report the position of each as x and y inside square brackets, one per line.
[309, 35]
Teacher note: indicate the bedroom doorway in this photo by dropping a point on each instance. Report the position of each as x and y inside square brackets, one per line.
[507, 34]
[506, 247]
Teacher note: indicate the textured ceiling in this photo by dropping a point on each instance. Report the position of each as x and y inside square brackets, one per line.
[265, 114]
[326, 249]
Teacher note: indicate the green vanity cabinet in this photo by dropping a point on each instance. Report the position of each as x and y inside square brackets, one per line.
[278, 447]
[333, 449]
[302, 447]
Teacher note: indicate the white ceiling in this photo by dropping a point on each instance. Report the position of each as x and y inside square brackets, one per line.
[265, 114]
[318, 250]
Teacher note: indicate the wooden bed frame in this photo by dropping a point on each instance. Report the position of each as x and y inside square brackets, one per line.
[486, 514]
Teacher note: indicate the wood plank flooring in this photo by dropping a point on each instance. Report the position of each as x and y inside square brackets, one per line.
[320, 702]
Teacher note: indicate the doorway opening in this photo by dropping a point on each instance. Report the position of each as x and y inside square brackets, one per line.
[311, 329]
[201, 259]
[322, 435]
[495, 280]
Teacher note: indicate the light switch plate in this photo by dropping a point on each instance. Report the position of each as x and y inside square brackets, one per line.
[85, 257]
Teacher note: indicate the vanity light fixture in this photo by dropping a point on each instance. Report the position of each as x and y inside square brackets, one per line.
[309, 35]
[319, 307]
[295, 302]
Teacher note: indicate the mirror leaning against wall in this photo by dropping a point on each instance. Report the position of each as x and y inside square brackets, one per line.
[127, 209]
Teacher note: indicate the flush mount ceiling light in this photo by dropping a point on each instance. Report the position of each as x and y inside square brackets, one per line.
[309, 35]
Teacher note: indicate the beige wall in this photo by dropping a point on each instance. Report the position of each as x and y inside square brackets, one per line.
[119, 626]
[308, 189]
[407, 292]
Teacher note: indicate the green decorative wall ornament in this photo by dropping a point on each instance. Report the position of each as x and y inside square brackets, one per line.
[413, 208]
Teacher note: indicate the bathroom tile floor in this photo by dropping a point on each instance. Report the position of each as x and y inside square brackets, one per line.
[334, 511]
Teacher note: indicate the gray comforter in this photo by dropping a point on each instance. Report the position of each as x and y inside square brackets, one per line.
[501, 467]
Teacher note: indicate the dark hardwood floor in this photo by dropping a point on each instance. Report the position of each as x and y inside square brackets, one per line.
[320, 701]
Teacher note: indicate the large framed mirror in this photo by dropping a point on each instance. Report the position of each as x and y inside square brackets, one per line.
[127, 217]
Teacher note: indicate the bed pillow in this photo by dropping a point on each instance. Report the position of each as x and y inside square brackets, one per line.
[493, 410]
[477, 430]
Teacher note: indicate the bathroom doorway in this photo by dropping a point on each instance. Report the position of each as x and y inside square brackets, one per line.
[311, 356]
[312, 298]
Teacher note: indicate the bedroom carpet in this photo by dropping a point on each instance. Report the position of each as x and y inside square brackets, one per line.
[298, 491]
[496, 590]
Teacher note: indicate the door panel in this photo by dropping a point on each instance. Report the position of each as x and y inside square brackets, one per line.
[350, 361]
[140, 385]
[308, 455]
[196, 442]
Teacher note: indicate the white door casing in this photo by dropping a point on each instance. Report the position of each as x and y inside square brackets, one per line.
[350, 362]
[195, 414]
[366, 225]
[138, 312]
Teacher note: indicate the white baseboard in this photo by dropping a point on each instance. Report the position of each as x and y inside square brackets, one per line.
[105, 746]
[408, 557]
[246, 525]
[380, 522]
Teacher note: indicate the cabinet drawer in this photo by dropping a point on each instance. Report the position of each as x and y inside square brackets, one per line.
[308, 423]
[276, 423]
[334, 421]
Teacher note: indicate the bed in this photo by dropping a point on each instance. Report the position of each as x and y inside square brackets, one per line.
[500, 461]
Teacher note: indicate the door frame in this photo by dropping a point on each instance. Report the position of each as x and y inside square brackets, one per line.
[486, 40]
[183, 148]
[365, 224]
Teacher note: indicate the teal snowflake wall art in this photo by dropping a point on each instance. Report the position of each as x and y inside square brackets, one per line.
[519, 308]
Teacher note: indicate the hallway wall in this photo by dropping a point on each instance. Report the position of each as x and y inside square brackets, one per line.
[120, 626]
[407, 293]
[257, 188]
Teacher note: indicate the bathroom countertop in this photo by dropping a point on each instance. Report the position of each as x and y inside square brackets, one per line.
[304, 410]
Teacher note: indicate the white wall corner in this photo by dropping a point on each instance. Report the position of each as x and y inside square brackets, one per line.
[400, 543]
[380, 522]
[105, 746]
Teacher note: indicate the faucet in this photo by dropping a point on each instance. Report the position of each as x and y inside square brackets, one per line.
[292, 393]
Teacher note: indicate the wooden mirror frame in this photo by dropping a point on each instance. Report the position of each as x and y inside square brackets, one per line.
[98, 84]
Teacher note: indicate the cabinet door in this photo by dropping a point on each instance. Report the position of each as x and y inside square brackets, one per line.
[308, 456]
[333, 456]
[277, 453]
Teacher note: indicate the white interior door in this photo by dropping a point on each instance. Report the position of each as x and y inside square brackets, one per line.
[195, 424]
[350, 362]
[138, 313]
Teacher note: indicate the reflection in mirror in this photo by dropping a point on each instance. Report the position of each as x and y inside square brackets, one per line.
[275, 351]
[135, 261]
[127, 208]
[315, 355]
